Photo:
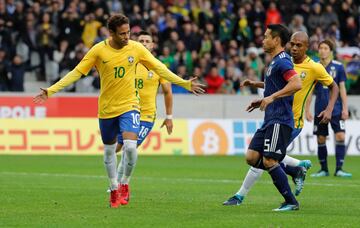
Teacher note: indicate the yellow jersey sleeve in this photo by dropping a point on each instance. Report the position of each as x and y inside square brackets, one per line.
[148, 60]
[67, 80]
[163, 81]
[322, 75]
[88, 61]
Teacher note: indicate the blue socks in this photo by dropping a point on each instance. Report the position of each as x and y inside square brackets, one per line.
[289, 170]
[339, 154]
[322, 155]
[281, 182]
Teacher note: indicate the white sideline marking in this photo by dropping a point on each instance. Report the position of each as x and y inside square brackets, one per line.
[198, 180]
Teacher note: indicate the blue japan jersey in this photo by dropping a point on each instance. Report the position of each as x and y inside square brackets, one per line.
[279, 71]
[337, 71]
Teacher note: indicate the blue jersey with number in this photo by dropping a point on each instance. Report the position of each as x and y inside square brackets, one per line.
[337, 71]
[280, 70]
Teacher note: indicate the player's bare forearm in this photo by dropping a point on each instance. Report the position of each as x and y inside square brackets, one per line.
[294, 84]
[308, 114]
[168, 98]
[252, 83]
[343, 97]
[260, 85]
[334, 93]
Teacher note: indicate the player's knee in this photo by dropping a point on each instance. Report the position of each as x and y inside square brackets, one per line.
[109, 152]
[130, 150]
[269, 162]
[340, 137]
[252, 157]
[321, 139]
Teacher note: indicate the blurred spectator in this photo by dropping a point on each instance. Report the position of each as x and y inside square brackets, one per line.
[181, 73]
[254, 62]
[214, 81]
[50, 36]
[353, 75]
[4, 67]
[297, 24]
[17, 72]
[273, 15]
[315, 19]
[91, 27]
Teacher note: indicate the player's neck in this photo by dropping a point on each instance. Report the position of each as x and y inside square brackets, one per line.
[115, 45]
[298, 61]
[276, 51]
[325, 62]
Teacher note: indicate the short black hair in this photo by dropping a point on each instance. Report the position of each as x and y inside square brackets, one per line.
[328, 43]
[143, 33]
[281, 31]
[116, 21]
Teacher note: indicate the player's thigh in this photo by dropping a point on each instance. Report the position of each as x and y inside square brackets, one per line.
[129, 125]
[338, 126]
[145, 128]
[109, 128]
[320, 129]
[276, 140]
[256, 147]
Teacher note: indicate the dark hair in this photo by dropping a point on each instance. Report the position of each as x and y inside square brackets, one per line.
[116, 21]
[328, 43]
[281, 31]
[143, 33]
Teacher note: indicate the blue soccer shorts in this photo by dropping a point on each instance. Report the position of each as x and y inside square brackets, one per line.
[272, 141]
[126, 122]
[337, 124]
[145, 128]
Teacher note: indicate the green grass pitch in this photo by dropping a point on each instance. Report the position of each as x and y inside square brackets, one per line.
[166, 191]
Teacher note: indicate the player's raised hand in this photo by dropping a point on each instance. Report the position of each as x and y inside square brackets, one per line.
[325, 116]
[246, 82]
[41, 97]
[254, 105]
[197, 88]
[265, 102]
[169, 125]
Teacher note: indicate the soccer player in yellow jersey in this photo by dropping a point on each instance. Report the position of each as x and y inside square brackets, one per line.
[147, 83]
[115, 59]
[310, 73]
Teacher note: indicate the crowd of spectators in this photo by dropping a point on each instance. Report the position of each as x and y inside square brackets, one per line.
[217, 40]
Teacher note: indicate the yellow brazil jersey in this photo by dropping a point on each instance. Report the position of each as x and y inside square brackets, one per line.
[310, 73]
[117, 75]
[147, 83]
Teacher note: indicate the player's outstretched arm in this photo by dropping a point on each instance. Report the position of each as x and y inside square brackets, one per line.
[69, 78]
[196, 88]
[294, 84]
[327, 113]
[41, 97]
[252, 83]
[168, 106]
[148, 60]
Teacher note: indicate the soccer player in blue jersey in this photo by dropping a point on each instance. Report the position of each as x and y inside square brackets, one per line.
[339, 114]
[268, 145]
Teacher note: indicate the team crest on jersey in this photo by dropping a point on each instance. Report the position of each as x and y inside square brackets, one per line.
[333, 71]
[131, 59]
[302, 75]
[150, 75]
